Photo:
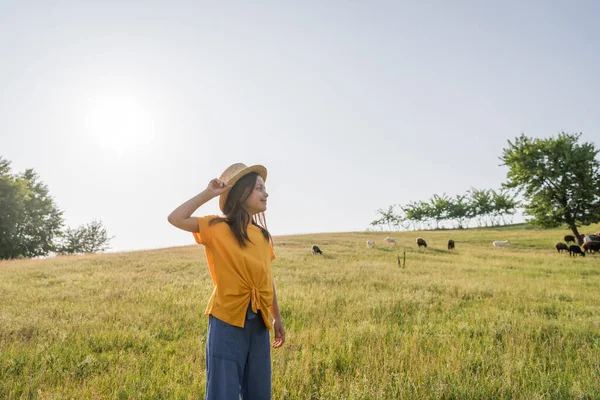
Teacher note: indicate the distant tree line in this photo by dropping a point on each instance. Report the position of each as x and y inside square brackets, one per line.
[558, 179]
[485, 207]
[32, 225]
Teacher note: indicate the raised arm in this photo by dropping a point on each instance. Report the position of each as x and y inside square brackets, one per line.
[182, 218]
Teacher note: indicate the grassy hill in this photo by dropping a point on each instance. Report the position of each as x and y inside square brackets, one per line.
[518, 322]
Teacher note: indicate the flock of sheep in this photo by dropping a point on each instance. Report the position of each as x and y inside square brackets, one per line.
[390, 241]
[591, 244]
[423, 244]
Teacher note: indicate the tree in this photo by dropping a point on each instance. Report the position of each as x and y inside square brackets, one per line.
[558, 177]
[29, 218]
[460, 211]
[387, 217]
[89, 238]
[11, 208]
[415, 213]
[439, 207]
[481, 204]
[426, 211]
[503, 204]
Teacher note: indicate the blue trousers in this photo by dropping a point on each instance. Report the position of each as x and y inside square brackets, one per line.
[238, 360]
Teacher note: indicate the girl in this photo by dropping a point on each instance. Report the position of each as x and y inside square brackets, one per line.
[239, 254]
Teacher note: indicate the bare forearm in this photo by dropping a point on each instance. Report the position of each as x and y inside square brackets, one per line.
[187, 209]
[275, 307]
[181, 216]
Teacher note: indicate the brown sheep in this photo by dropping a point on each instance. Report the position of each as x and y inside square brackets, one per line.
[421, 242]
[591, 247]
[560, 247]
[569, 238]
[450, 244]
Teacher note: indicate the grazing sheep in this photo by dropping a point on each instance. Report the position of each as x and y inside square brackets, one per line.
[370, 244]
[569, 238]
[591, 247]
[450, 244]
[574, 250]
[316, 250]
[500, 243]
[390, 241]
[421, 242]
[560, 247]
[591, 238]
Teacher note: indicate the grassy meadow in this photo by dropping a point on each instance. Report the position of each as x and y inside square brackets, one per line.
[522, 322]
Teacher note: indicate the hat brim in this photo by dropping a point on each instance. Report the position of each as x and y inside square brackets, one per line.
[259, 169]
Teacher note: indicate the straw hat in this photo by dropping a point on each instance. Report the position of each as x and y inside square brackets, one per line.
[233, 174]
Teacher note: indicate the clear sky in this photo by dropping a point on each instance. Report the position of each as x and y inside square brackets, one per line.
[128, 108]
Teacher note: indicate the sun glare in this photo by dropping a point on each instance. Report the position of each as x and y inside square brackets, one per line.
[118, 122]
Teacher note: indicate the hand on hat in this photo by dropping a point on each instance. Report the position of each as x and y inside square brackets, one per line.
[217, 187]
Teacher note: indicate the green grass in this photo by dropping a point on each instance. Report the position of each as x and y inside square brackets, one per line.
[519, 322]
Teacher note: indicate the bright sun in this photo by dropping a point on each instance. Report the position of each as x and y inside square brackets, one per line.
[118, 122]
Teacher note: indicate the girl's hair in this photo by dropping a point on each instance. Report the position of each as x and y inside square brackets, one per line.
[236, 216]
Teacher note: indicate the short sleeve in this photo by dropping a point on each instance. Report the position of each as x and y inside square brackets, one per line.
[204, 234]
[272, 252]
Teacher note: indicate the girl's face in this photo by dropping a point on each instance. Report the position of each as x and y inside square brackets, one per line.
[257, 201]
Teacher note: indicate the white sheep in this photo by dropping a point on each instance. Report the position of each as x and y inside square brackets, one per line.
[370, 244]
[500, 243]
[591, 238]
[390, 241]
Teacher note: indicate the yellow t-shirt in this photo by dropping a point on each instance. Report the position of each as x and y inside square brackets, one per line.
[239, 274]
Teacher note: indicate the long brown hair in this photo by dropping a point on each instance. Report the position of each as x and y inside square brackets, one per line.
[236, 215]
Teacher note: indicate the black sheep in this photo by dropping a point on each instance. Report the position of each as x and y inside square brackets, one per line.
[316, 249]
[574, 250]
[560, 247]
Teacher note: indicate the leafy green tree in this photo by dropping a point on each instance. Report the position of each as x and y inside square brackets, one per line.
[426, 211]
[460, 210]
[503, 204]
[558, 177]
[29, 218]
[414, 213]
[480, 204]
[88, 238]
[388, 218]
[11, 208]
[439, 208]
